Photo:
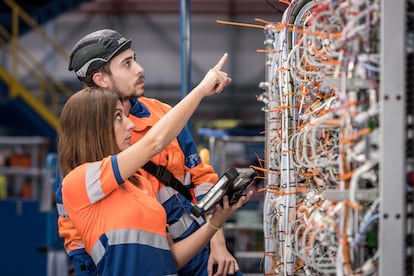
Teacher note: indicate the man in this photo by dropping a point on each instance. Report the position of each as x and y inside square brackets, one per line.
[104, 58]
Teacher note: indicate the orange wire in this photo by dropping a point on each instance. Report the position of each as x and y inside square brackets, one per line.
[241, 24]
[280, 26]
[268, 51]
[328, 59]
[358, 134]
[353, 206]
[345, 176]
[263, 21]
[287, 2]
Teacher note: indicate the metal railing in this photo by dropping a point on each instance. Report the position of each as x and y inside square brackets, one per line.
[20, 65]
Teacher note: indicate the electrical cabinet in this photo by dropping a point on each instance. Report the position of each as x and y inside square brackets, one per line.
[339, 111]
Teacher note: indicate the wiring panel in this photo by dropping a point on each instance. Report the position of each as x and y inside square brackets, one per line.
[322, 104]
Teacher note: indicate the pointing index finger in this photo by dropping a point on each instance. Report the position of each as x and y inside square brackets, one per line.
[221, 62]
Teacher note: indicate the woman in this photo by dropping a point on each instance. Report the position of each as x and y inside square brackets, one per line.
[122, 225]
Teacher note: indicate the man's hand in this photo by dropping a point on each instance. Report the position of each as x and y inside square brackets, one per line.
[221, 261]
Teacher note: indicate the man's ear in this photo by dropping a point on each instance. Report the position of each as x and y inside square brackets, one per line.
[100, 80]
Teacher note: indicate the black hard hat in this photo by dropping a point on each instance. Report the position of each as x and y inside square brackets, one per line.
[95, 49]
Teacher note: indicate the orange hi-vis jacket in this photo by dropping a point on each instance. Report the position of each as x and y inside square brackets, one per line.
[180, 158]
[123, 227]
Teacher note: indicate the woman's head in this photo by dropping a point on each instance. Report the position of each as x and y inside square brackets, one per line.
[92, 126]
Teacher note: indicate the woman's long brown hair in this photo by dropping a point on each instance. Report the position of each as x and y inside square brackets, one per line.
[86, 128]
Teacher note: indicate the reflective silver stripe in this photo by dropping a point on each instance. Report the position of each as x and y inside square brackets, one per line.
[202, 188]
[129, 236]
[98, 251]
[185, 221]
[165, 193]
[93, 182]
[178, 228]
[186, 180]
[200, 220]
[61, 210]
[84, 69]
[137, 236]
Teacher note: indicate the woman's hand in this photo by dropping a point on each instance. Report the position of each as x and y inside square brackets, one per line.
[215, 80]
[222, 213]
[184, 250]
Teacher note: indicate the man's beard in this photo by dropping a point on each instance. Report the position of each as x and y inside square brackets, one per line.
[132, 94]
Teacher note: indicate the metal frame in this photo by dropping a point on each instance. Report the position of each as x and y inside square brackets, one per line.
[392, 121]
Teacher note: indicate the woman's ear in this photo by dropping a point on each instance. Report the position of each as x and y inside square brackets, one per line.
[100, 80]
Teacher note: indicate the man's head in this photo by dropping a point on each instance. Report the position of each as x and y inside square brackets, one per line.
[104, 58]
